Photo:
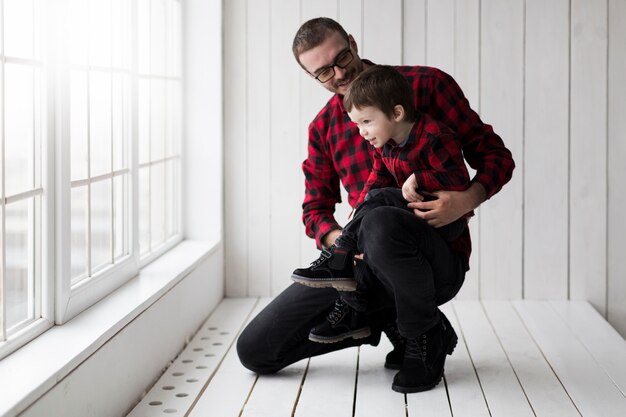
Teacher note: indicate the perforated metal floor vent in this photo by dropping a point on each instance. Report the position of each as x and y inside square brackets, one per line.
[176, 390]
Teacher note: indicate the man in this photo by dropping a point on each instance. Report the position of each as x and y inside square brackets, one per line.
[278, 336]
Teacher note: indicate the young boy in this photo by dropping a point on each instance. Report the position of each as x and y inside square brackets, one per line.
[412, 151]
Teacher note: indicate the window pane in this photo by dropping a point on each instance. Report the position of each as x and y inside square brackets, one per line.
[79, 234]
[144, 121]
[100, 33]
[78, 32]
[158, 120]
[18, 28]
[19, 115]
[120, 11]
[173, 119]
[172, 180]
[120, 216]
[143, 35]
[157, 204]
[144, 210]
[101, 225]
[175, 57]
[157, 37]
[19, 263]
[121, 122]
[100, 123]
[78, 124]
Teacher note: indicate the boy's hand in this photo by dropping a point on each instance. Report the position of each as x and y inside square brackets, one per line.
[409, 190]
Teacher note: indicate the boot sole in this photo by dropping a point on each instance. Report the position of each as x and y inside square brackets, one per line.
[410, 390]
[338, 284]
[357, 334]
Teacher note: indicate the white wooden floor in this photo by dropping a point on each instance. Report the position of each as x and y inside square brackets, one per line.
[520, 358]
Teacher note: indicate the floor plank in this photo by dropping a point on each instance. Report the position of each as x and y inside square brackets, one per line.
[432, 403]
[503, 392]
[543, 389]
[276, 394]
[606, 345]
[466, 395]
[329, 385]
[590, 388]
[374, 396]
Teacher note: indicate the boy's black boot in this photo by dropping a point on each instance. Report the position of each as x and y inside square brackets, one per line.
[341, 323]
[424, 359]
[334, 268]
[394, 359]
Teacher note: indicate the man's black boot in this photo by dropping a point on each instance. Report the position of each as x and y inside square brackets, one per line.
[334, 268]
[341, 323]
[424, 359]
[393, 360]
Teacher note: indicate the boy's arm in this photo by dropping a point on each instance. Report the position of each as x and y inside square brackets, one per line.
[379, 177]
[321, 183]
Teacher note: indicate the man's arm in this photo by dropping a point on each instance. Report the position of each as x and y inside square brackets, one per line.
[438, 94]
[321, 183]
[483, 149]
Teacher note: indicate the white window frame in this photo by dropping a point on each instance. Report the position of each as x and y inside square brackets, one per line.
[44, 288]
[71, 300]
[60, 301]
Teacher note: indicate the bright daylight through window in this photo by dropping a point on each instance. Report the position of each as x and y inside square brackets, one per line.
[90, 140]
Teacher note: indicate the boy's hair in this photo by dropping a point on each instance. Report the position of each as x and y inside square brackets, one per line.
[313, 32]
[383, 87]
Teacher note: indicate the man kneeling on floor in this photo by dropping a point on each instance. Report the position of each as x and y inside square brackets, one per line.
[416, 252]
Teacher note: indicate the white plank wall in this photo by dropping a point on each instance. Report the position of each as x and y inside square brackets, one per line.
[617, 168]
[547, 75]
[546, 145]
[501, 104]
[588, 147]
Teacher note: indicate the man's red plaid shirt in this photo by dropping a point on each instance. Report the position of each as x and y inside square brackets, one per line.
[337, 153]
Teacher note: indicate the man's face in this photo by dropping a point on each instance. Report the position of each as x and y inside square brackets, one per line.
[327, 55]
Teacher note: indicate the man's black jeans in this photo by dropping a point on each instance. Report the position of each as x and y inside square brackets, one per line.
[410, 271]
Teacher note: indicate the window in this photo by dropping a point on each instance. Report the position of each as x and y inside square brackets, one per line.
[90, 160]
[160, 87]
[21, 187]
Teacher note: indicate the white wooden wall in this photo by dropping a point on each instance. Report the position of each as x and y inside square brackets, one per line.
[550, 76]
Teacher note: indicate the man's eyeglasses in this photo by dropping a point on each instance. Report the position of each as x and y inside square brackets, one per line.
[343, 60]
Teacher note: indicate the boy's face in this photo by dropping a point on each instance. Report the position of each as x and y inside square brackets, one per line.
[326, 55]
[375, 126]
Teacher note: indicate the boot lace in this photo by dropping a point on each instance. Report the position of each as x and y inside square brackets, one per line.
[417, 348]
[394, 336]
[323, 256]
[338, 312]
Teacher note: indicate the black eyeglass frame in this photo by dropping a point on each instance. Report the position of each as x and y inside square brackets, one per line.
[341, 55]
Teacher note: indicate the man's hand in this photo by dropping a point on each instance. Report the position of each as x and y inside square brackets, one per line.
[330, 237]
[409, 189]
[449, 205]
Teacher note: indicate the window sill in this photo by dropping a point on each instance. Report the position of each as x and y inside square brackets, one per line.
[31, 371]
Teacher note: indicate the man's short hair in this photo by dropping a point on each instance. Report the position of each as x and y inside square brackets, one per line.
[383, 87]
[313, 32]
